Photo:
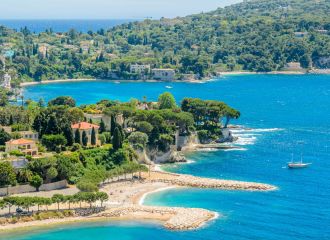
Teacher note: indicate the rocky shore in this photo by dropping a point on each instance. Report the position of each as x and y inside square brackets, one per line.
[174, 218]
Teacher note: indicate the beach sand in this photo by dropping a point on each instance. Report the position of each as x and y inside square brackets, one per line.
[126, 202]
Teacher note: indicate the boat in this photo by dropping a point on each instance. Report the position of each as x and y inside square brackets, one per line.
[117, 82]
[169, 87]
[294, 165]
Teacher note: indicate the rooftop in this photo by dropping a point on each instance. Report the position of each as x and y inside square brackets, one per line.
[84, 126]
[20, 141]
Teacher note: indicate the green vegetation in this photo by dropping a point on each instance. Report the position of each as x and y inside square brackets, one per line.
[256, 35]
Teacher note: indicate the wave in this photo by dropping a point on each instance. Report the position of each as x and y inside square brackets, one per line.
[235, 149]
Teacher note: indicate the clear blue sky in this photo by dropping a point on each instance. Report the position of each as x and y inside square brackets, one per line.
[105, 9]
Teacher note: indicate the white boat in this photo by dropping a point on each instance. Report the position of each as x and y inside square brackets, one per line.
[169, 87]
[117, 82]
[300, 164]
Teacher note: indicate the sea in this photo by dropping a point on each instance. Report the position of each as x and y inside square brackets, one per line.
[81, 25]
[282, 116]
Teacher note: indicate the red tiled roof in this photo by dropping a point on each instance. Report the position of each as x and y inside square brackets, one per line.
[84, 126]
[20, 141]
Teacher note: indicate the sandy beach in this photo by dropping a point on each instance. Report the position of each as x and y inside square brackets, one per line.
[126, 202]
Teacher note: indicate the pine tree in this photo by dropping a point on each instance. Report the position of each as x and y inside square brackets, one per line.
[117, 141]
[77, 136]
[93, 137]
[84, 139]
[102, 126]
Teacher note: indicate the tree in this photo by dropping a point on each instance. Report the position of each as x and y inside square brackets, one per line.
[102, 126]
[63, 100]
[53, 142]
[117, 141]
[4, 137]
[93, 137]
[67, 132]
[102, 196]
[138, 139]
[58, 198]
[85, 186]
[52, 125]
[84, 139]
[7, 174]
[36, 181]
[51, 174]
[144, 127]
[113, 124]
[166, 101]
[77, 136]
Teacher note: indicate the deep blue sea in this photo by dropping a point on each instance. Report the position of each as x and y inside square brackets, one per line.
[38, 26]
[286, 113]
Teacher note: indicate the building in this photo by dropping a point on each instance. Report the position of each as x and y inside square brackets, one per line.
[300, 34]
[26, 146]
[163, 74]
[29, 135]
[136, 68]
[6, 83]
[293, 66]
[43, 50]
[87, 128]
[322, 31]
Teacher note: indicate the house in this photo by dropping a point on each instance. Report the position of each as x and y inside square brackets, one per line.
[26, 146]
[43, 50]
[29, 135]
[6, 83]
[293, 66]
[165, 74]
[87, 128]
[137, 68]
[300, 34]
[322, 31]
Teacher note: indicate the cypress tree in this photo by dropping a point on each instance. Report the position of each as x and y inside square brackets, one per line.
[52, 125]
[11, 120]
[77, 136]
[67, 131]
[90, 121]
[117, 141]
[84, 139]
[102, 126]
[112, 125]
[93, 137]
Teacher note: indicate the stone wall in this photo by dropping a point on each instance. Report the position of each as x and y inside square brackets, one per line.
[27, 188]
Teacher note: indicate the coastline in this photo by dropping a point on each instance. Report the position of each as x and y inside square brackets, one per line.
[233, 73]
[126, 202]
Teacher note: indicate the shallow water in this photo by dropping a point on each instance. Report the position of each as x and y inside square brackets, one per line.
[287, 114]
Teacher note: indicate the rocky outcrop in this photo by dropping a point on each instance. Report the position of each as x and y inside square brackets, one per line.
[172, 156]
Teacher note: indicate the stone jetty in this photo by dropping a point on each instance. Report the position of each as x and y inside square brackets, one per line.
[199, 182]
[174, 218]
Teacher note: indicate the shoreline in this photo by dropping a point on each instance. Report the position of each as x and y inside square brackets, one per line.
[126, 203]
[233, 73]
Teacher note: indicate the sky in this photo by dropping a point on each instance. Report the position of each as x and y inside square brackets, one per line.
[105, 9]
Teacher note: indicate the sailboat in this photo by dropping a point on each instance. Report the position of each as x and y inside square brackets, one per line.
[300, 164]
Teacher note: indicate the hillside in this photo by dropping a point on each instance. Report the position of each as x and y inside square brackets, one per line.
[260, 35]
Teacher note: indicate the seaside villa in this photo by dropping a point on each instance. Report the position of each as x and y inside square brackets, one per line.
[163, 74]
[26, 146]
[87, 128]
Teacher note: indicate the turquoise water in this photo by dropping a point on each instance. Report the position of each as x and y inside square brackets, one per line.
[287, 114]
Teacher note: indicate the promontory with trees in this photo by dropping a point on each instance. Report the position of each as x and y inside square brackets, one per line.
[256, 35]
[89, 146]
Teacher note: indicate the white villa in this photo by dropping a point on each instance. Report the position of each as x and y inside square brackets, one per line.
[137, 68]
